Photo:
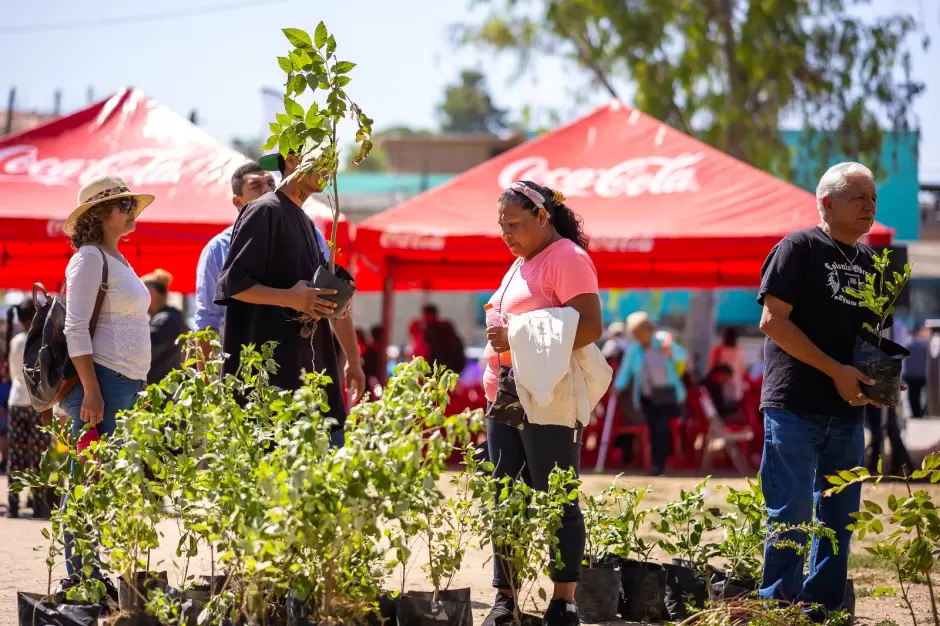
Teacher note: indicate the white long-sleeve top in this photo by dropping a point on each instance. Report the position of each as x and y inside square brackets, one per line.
[122, 335]
[556, 384]
[19, 395]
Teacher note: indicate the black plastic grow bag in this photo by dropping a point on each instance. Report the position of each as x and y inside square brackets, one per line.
[342, 282]
[880, 359]
[684, 588]
[643, 589]
[418, 608]
[598, 592]
[32, 611]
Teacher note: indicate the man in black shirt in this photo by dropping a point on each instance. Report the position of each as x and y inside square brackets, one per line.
[263, 286]
[812, 403]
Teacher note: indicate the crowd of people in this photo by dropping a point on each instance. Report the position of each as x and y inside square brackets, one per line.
[253, 287]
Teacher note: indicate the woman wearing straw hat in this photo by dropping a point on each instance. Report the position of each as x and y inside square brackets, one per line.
[112, 366]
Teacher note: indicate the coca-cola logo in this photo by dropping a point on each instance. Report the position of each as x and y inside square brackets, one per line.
[621, 244]
[148, 166]
[55, 228]
[411, 241]
[633, 177]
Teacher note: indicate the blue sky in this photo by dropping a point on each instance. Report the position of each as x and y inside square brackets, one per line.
[217, 63]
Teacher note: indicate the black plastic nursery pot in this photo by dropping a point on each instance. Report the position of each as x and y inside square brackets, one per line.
[342, 282]
[727, 589]
[134, 598]
[598, 592]
[684, 588]
[136, 618]
[880, 359]
[33, 611]
[643, 589]
[452, 608]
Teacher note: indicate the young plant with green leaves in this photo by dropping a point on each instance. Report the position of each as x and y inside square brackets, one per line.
[879, 294]
[684, 524]
[745, 534]
[629, 521]
[522, 524]
[311, 133]
[908, 531]
[601, 534]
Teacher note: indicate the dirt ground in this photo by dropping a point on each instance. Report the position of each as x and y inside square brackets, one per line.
[22, 567]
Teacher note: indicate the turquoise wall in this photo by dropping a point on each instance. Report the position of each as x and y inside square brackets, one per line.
[897, 185]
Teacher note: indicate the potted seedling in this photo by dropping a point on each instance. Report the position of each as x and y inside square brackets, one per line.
[643, 583]
[598, 592]
[446, 528]
[683, 524]
[312, 133]
[521, 527]
[879, 358]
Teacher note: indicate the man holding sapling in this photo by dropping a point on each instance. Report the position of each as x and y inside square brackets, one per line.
[811, 399]
[275, 251]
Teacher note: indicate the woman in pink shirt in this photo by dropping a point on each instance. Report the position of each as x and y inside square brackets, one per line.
[552, 269]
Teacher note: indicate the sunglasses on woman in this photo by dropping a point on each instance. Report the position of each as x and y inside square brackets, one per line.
[124, 205]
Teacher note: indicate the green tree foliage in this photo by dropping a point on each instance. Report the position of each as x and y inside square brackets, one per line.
[468, 107]
[729, 71]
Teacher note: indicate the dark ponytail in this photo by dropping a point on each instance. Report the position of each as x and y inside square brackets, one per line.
[568, 223]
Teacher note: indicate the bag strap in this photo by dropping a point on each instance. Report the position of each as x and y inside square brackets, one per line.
[102, 290]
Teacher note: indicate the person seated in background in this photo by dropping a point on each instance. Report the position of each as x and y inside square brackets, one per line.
[166, 326]
[371, 356]
[444, 345]
[716, 383]
[729, 354]
[914, 371]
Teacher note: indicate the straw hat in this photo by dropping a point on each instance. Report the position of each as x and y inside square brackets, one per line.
[99, 190]
[637, 320]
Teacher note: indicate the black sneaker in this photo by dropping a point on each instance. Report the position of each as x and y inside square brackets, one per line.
[502, 611]
[561, 613]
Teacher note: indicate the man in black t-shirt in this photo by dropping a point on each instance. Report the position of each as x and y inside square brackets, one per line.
[812, 403]
[275, 251]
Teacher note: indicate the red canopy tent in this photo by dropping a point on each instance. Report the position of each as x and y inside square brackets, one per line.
[156, 151]
[662, 210]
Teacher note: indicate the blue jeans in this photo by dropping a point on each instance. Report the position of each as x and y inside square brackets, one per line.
[119, 394]
[800, 451]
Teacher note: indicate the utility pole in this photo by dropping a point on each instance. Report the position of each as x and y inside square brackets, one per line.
[10, 103]
[57, 103]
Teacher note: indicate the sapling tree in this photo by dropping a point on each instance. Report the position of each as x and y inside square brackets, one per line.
[629, 522]
[311, 133]
[745, 534]
[879, 294]
[522, 524]
[600, 535]
[683, 524]
[911, 522]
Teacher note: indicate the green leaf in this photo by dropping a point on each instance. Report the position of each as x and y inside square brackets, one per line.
[879, 469]
[297, 84]
[343, 67]
[313, 119]
[873, 507]
[275, 128]
[293, 109]
[330, 46]
[285, 64]
[283, 119]
[270, 144]
[283, 144]
[320, 35]
[342, 81]
[298, 38]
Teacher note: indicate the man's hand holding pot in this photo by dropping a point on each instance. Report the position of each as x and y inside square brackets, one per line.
[310, 300]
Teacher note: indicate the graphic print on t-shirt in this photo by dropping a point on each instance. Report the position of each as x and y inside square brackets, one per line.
[842, 276]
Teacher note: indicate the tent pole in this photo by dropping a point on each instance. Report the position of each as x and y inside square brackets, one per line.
[388, 316]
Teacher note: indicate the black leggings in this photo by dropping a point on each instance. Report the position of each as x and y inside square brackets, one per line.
[532, 453]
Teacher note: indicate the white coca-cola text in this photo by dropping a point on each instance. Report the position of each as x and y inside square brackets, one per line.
[411, 241]
[621, 244]
[147, 166]
[634, 177]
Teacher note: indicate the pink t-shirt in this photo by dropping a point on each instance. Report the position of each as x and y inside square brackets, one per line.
[554, 276]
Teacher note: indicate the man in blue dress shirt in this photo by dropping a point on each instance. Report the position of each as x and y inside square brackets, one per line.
[249, 182]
